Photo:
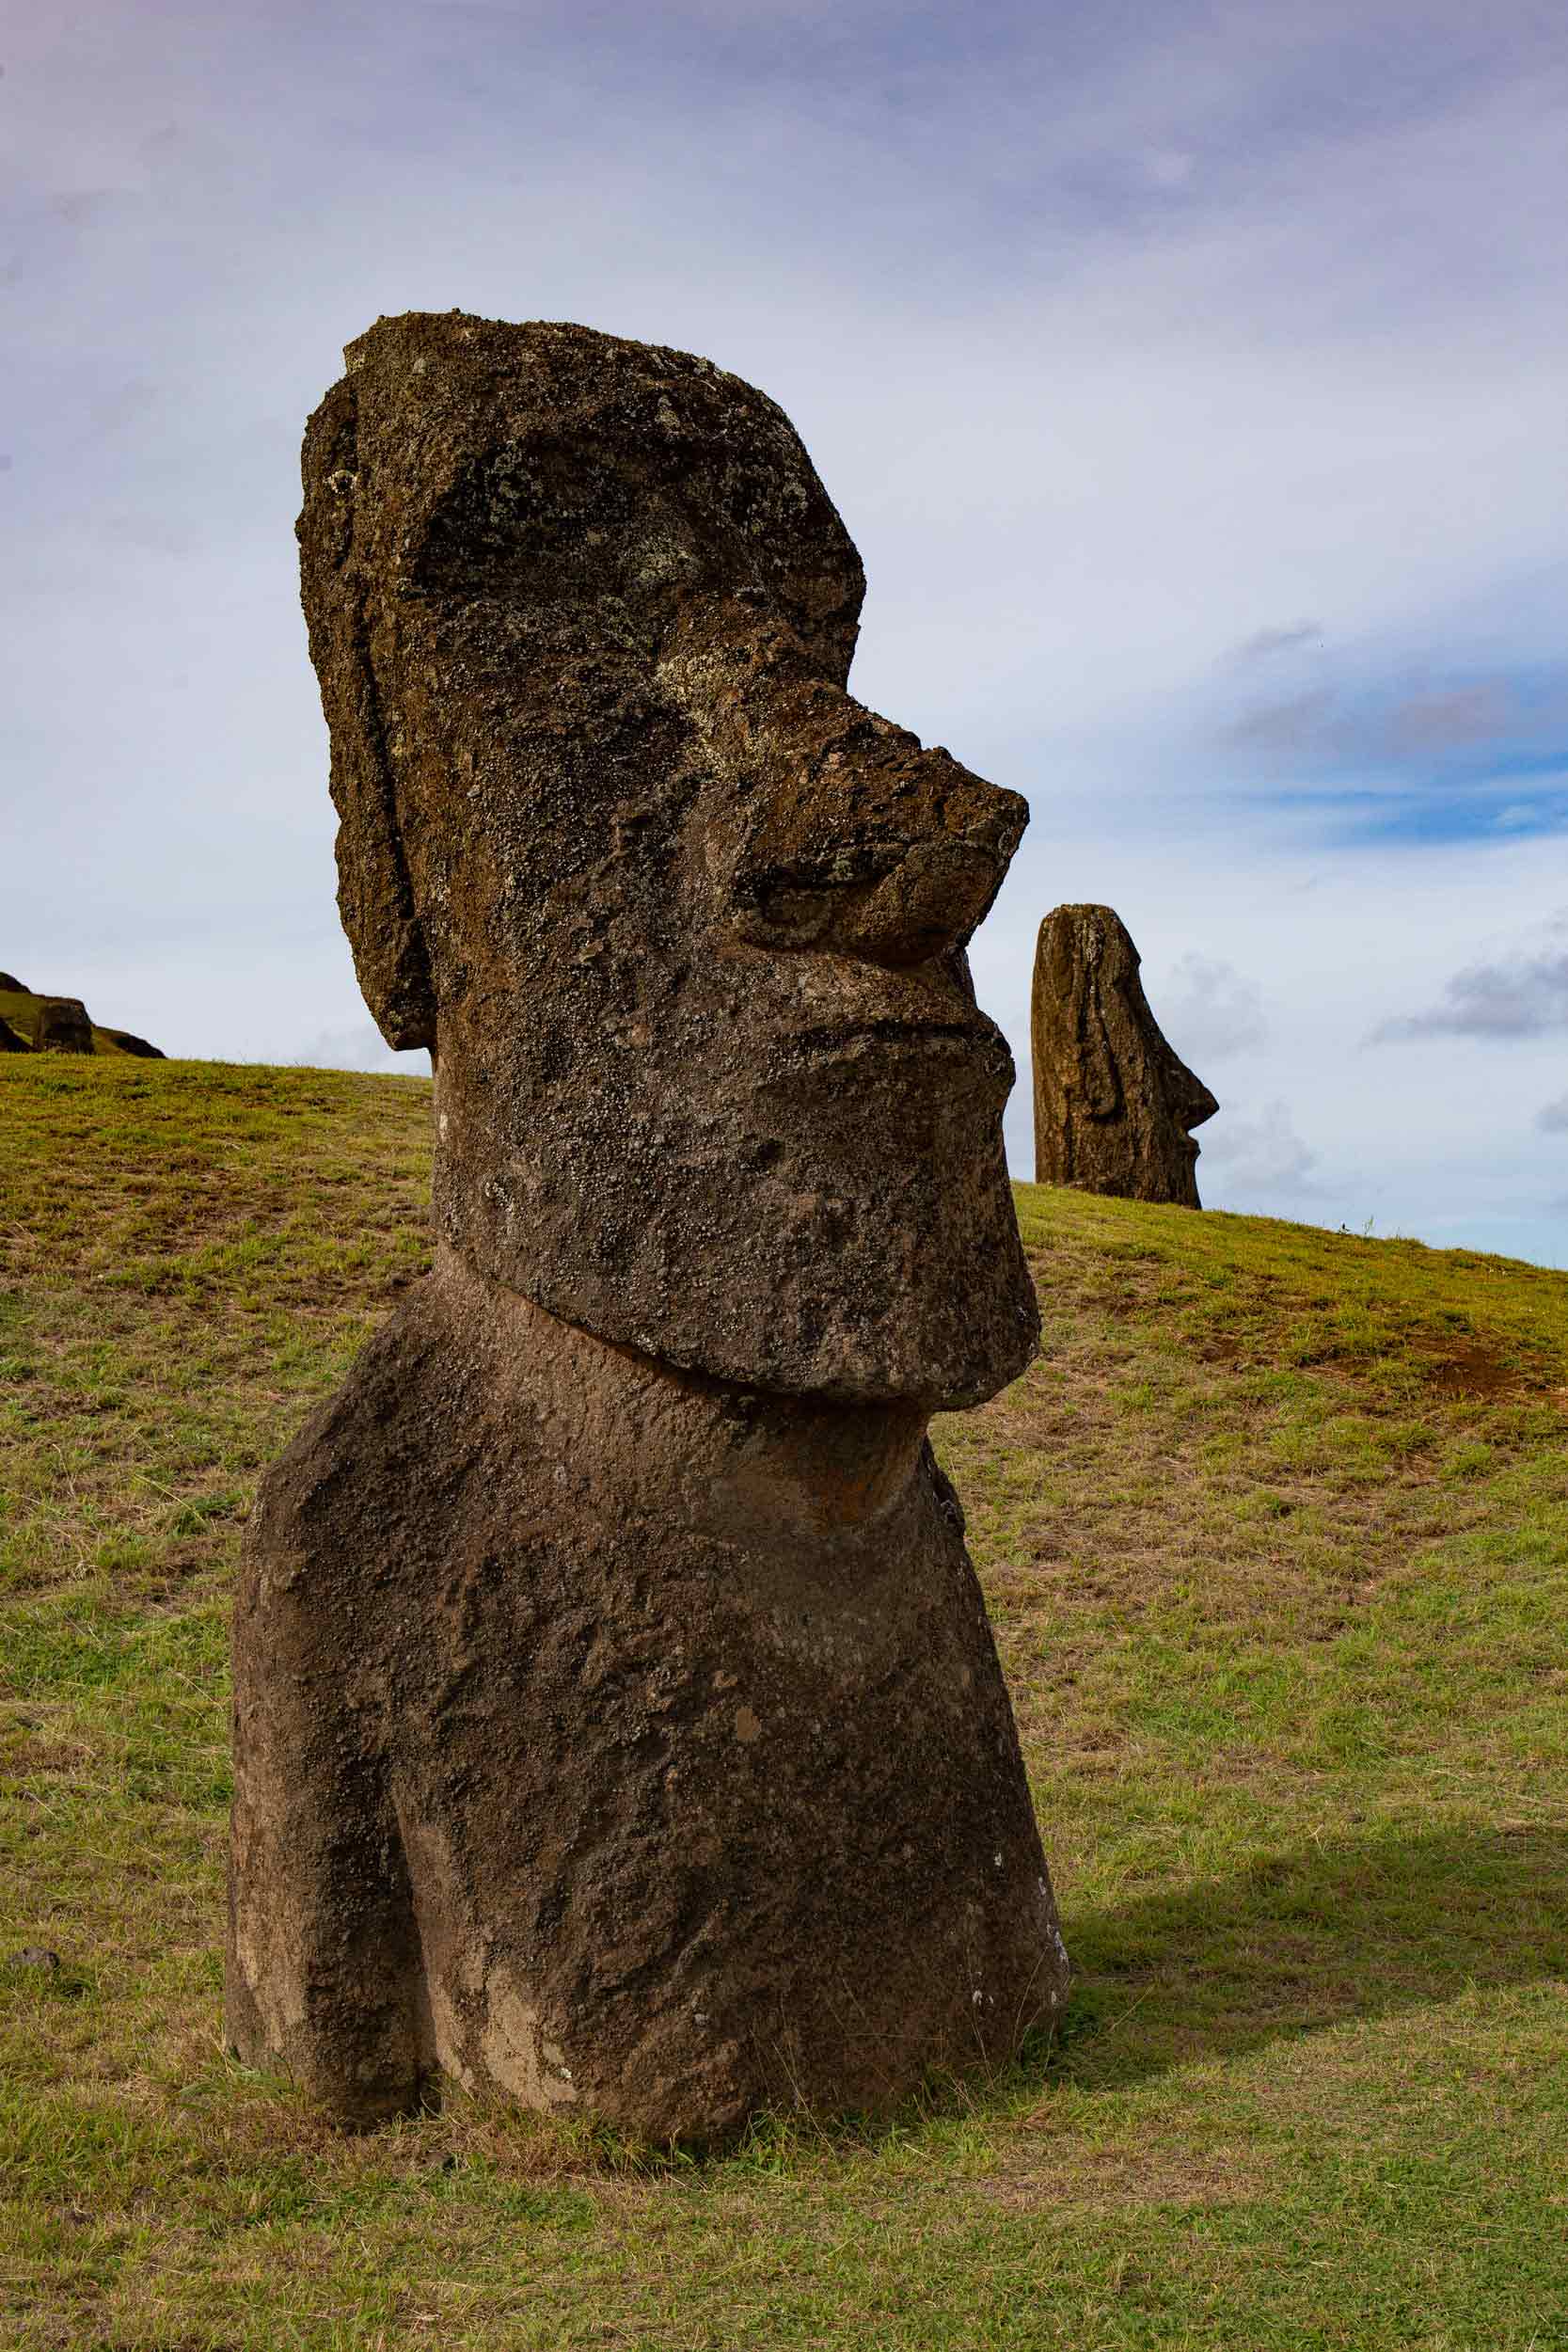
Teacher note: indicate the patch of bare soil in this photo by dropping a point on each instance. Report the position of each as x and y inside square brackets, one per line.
[1466, 1368]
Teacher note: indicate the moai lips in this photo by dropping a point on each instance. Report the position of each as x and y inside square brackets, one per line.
[617, 1723]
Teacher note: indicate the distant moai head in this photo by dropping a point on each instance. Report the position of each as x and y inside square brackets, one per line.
[681, 922]
[62, 1027]
[1113, 1106]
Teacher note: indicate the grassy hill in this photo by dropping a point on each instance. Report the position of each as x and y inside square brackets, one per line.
[1276, 1539]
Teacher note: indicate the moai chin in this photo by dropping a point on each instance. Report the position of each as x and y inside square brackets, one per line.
[1113, 1104]
[617, 1724]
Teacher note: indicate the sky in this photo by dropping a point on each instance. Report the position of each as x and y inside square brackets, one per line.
[1190, 377]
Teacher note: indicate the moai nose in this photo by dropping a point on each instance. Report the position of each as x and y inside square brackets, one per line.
[1191, 1100]
[840, 834]
[862, 843]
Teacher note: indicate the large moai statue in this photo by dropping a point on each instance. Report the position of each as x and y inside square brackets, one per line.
[617, 1723]
[1114, 1105]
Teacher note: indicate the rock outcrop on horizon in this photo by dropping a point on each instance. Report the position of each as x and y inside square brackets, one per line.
[1114, 1105]
[61, 1025]
[617, 1723]
[137, 1047]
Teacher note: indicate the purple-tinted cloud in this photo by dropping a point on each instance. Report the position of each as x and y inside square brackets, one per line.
[1388, 731]
[1525, 996]
[1264, 641]
[1459, 715]
[1212, 331]
[1297, 724]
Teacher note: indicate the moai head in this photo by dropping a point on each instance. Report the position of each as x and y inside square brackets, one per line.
[682, 925]
[63, 1027]
[1114, 1105]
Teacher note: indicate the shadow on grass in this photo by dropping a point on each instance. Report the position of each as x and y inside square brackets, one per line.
[1296, 1941]
[1306, 1939]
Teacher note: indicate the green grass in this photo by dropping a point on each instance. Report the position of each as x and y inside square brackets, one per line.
[1275, 1538]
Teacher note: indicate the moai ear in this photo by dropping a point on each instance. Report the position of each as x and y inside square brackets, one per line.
[1098, 1078]
[375, 898]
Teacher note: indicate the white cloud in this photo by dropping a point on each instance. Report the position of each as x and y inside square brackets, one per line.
[1261, 1155]
[361, 1047]
[1210, 1011]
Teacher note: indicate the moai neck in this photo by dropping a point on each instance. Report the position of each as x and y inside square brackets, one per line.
[626, 1433]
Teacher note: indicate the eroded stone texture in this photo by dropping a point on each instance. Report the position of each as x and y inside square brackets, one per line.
[1113, 1104]
[63, 1027]
[711, 1079]
[617, 1721]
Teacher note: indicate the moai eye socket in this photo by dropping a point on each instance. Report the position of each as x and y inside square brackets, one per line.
[530, 521]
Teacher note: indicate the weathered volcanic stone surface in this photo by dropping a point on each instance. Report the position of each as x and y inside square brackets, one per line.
[620, 1740]
[617, 1722]
[686, 920]
[63, 1027]
[12, 1040]
[1114, 1105]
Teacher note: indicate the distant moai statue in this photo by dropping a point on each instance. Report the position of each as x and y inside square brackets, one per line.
[617, 1722]
[1113, 1106]
[63, 1027]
